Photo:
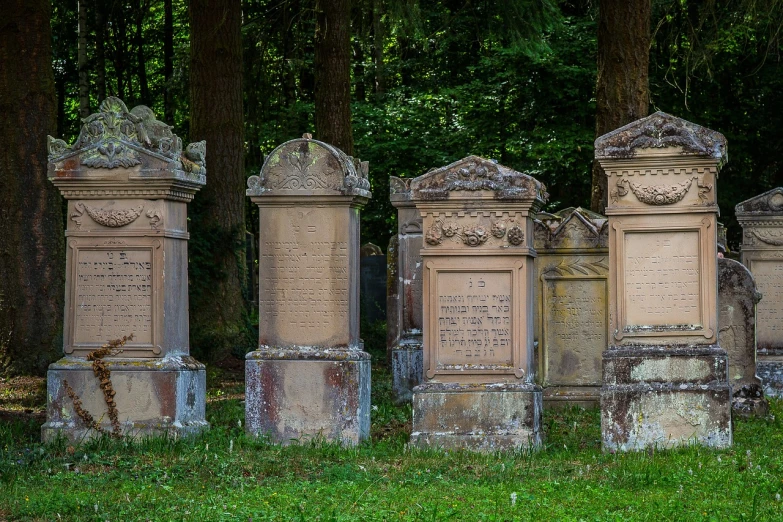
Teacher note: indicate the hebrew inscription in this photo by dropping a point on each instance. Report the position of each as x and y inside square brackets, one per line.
[574, 330]
[113, 295]
[769, 323]
[474, 312]
[662, 275]
[304, 281]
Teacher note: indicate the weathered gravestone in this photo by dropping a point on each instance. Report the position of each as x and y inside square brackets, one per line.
[478, 297]
[737, 297]
[127, 182]
[309, 377]
[404, 319]
[761, 219]
[572, 273]
[665, 376]
[372, 280]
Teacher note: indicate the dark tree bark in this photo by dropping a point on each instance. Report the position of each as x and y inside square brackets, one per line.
[168, 60]
[119, 31]
[84, 82]
[217, 266]
[141, 64]
[622, 89]
[377, 43]
[32, 256]
[100, 50]
[333, 73]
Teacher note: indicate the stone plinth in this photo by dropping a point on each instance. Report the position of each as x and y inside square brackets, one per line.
[477, 294]
[665, 378]
[309, 377]
[572, 271]
[404, 321]
[738, 298]
[127, 182]
[761, 219]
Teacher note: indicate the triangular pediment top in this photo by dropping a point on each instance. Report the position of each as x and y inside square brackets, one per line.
[661, 131]
[115, 137]
[305, 164]
[571, 227]
[474, 174]
[770, 202]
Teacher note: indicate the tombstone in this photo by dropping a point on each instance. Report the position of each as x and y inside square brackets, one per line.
[572, 271]
[665, 375]
[309, 376]
[478, 296]
[761, 219]
[372, 294]
[738, 298]
[404, 321]
[128, 183]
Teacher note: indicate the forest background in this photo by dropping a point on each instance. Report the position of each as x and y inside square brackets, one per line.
[527, 82]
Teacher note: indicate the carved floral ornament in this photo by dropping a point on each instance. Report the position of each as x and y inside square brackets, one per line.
[769, 237]
[660, 194]
[578, 266]
[474, 235]
[115, 137]
[307, 164]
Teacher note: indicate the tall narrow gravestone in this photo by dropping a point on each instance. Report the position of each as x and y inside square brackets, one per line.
[478, 308]
[665, 376]
[737, 297]
[404, 320]
[127, 182]
[572, 272]
[761, 219]
[309, 377]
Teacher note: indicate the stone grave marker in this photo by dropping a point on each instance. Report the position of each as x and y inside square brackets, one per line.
[572, 304]
[309, 376]
[373, 283]
[665, 375]
[738, 298]
[404, 320]
[761, 219]
[127, 181]
[478, 296]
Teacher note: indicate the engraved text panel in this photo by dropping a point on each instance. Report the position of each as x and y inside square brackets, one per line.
[769, 320]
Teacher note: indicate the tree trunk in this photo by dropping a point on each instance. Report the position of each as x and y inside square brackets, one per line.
[84, 83]
[168, 60]
[622, 89]
[144, 86]
[217, 264]
[377, 42]
[333, 73]
[100, 51]
[32, 255]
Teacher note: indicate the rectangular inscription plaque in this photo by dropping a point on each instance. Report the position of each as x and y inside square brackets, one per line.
[662, 279]
[474, 311]
[304, 281]
[113, 295]
[575, 330]
[769, 320]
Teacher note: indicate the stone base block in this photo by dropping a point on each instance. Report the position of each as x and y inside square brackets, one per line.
[567, 396]
[407, 364]
[771, 375]
[163, 396]
[665, 397]
[485, 418]
[304, 393]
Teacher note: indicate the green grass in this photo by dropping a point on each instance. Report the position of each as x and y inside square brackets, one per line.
[224, 475]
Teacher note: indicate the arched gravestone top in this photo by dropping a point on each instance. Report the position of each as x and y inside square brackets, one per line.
[572, 228]
[768, 203]
[660, 131]
[472, 175]
[115, 138]
[308, 165]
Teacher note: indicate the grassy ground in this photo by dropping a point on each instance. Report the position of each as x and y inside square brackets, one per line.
[223, 475]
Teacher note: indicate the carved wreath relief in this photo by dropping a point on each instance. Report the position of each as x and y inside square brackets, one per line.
[474, 235]
[770, 237]
[660, 194]
[108, 218]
